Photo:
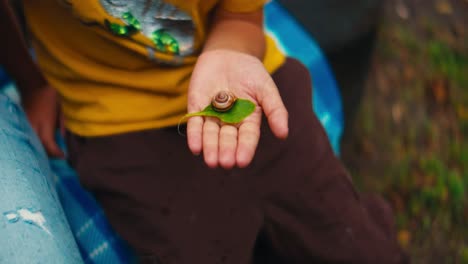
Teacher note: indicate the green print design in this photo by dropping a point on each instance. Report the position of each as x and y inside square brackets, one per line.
[133, 26]
[120, 30]
[131, 20]
[163, 41]
[169, 29]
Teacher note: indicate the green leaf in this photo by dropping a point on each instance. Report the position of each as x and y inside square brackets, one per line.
[242, 108]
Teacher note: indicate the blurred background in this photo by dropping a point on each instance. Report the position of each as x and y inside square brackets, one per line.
[402, 66]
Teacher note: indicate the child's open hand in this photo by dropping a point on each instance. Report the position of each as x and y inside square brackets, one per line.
[244, 75]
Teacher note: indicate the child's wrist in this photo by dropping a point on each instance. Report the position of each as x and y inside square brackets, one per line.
[237, 34]
[226, 53]
[239, 48]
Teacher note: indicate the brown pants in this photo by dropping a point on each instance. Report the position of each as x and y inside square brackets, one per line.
[294, 204]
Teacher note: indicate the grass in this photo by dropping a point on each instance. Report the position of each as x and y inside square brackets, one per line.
[422, 155]
[448, 62]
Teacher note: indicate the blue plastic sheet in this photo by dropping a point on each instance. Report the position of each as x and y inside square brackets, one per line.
[297, 43]
[3, 77]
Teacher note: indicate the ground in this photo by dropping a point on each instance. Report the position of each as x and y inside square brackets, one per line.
[409, 140]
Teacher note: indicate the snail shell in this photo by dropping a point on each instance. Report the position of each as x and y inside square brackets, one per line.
[223, 101]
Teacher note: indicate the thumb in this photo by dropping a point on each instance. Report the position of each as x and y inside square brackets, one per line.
[275, 111]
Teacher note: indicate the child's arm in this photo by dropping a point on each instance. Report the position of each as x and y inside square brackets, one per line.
[38, 98]
[237, 31]
[231, 60]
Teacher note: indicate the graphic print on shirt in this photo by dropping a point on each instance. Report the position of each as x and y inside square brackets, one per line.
[170, 29]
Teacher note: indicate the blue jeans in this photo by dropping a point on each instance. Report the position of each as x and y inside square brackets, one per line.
[33, 227]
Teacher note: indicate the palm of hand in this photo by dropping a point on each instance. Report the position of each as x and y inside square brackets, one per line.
[228, 145]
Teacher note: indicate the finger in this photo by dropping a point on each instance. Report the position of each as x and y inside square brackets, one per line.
[210, 142]
[194, 134]
[227, 146]
[274, 109]
[249, 135]
[50, 145]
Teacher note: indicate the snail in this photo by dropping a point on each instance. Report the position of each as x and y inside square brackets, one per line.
[223, 101]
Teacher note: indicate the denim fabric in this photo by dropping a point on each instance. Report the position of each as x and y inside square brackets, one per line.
[33, 227]
[96, 240]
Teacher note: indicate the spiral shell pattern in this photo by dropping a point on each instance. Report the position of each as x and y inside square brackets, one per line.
[223, 101]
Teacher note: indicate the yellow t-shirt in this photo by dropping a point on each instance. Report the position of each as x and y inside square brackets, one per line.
[124, 65]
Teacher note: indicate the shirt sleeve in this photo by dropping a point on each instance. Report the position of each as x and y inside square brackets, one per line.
[242, 6]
